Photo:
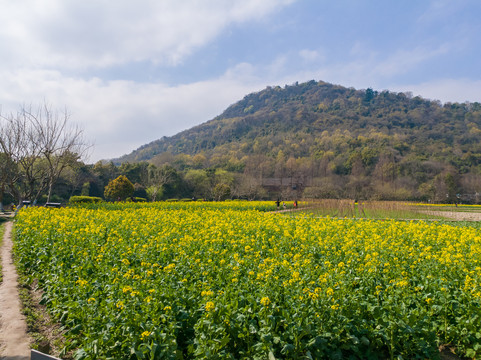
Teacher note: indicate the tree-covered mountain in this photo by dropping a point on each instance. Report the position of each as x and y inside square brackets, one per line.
[336, 141]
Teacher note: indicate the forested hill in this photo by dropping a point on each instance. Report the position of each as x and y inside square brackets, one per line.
[311, 118]
[340, 141]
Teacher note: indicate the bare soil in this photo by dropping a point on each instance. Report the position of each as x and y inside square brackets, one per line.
[456, 215]
[14, 341]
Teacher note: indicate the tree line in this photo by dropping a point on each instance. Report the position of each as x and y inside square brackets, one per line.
[259, 177]
[312, 140]
[330, 141]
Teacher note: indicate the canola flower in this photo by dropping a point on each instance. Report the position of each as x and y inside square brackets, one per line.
[144, 335]
[330, 287]
[209, 306]
[265, 301]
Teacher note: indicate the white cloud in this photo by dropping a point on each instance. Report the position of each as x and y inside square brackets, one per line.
[309, 55]
[439, 10]
[120, 116]
[369, 68]
[405, 60]
[48, 48]
[82, 34]
[446, 90]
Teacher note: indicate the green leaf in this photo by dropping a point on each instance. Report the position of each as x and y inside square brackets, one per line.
[80, 354]
[365, 341]
[470, 353]
[76, 329]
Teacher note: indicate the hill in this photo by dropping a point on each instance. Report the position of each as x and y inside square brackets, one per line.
[331, 135]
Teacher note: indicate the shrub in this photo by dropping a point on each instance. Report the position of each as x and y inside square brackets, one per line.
[136, 199]
[84, 200]
[119, 189]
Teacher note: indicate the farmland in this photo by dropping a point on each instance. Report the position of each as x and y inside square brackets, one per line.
[232, 280]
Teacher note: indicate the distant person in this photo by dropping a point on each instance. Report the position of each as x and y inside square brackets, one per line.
[284, 205]
[295, 204]
[278, 203]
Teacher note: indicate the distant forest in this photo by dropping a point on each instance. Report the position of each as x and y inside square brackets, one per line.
[309, 140]
[330, 141]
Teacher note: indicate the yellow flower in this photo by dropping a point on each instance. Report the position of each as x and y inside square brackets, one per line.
[144, 335]
[91, 300]
[265, 301]
[209, 306]
[81, 282]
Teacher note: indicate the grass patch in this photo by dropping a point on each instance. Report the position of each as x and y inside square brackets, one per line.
[450, 207]
[343, 208]
[33, 316]
[46, 334]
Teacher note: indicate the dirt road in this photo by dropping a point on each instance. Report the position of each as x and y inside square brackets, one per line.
[456, 215]
[14, 341]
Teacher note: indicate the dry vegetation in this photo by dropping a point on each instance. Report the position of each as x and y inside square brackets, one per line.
[369, 209]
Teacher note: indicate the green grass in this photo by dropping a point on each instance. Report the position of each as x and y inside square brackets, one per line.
[450, 207]
[366, 209]
[2, 230]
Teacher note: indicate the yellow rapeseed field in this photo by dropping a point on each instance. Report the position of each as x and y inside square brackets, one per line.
[226, 280]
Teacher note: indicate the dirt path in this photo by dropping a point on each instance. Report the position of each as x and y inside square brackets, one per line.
[14, 341]
[456, 215]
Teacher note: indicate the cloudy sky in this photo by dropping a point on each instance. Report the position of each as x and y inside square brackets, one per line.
[130, 72]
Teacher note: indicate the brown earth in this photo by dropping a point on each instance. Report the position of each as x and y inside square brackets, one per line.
[14, 341]
[456, 215]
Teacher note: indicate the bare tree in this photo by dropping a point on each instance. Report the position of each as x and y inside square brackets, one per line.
[41, 144]
[61, 143]
[157, 178]
[248, 187]
[19, 152]
[7, 169]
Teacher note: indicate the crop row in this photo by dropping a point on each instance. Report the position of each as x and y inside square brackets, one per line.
[207, 283]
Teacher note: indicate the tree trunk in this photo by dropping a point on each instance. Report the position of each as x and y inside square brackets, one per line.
[2, 189]
[50, 186]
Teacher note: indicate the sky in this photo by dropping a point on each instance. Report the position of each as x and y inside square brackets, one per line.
[131, 72]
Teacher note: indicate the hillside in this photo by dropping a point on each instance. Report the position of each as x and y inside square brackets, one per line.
[313, 110]
[332, 131]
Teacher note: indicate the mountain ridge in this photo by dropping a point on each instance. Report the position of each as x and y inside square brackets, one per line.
[327, 140]
[311, 107]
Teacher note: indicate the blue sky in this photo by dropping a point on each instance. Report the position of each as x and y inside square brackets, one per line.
[132, 72]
